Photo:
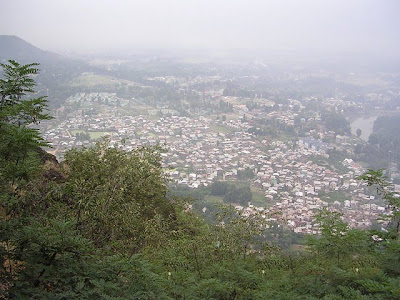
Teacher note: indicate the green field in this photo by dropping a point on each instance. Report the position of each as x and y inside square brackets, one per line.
[214, 199]
[91, 79]
[334, 196]
[221, 129]
[258, 197]
[94, 135]
[75, 131]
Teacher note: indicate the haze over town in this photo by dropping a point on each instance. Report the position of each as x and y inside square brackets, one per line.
[200, 149]
[308, 26]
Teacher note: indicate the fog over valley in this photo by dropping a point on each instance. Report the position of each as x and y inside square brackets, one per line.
[301, 26]
[199, 149]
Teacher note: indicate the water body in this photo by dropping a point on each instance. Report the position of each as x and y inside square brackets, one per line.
[365, 124]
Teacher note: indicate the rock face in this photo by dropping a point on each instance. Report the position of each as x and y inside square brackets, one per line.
[46, 157]
[51, 166]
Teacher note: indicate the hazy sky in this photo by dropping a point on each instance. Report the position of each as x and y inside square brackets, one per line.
[82, 25]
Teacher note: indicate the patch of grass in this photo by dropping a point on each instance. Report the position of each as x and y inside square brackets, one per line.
[74, 132]
[221, 129]
[94, 135]
[258, 197]
[91, 79]
[214, 199]
[298, 248]
[333, 163]
[334, 196]
[285, 137]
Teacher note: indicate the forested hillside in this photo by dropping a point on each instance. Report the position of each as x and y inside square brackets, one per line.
[386, 135]
[101, 225]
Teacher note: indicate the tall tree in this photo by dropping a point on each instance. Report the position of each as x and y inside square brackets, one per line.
[358, 132]
[19, 147]
[19, 141]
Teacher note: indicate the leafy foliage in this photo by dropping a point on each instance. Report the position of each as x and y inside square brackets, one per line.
[336, 122]
[337, 239]
[386, 191]
[111, 192]
[18, 139]
[232, 193]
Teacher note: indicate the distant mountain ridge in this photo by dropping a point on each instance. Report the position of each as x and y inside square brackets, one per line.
[13, 47]
[55, 70]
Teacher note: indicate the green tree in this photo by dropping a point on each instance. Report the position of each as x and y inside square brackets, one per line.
[391, 238]
[19, 141]
[337, 239]
[112, 192]
[358, 132]
[386, 190]
[19, 151]
[219, 188]
[336, 122]
[245, 174]
[241, 194]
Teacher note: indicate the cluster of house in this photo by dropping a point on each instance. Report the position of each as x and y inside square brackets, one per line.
[314, 144]
[299, 188]
[88, 99]
[198, 155]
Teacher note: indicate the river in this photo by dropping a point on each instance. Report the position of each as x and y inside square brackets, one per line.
[365, 124]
